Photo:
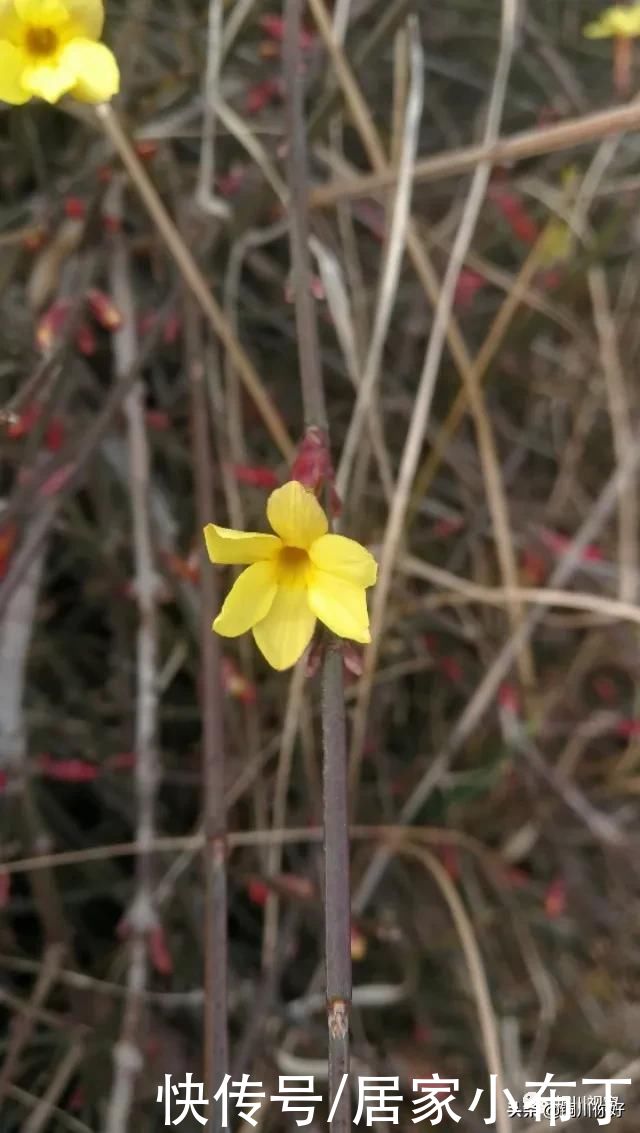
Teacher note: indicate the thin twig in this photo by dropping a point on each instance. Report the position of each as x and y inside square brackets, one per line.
[195, 280]
[60, 1079]
[75, 463]
[485, 692]
[611, 608]
[518, 147]
[480, 365]
[18, 626]
[621, 428]
[477, 974]
[426, 385]
[390, 275]
[26, 1023]
[205, 189]
[236, 839]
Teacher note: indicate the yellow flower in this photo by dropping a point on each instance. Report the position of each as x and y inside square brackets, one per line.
[297, 575]
[556, 242]
[49, 48]
[620, 20]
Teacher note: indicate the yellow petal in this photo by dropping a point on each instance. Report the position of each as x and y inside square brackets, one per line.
[11, 26]
[556, 242]
[599, 29]
[341, 605]
[47, 80]
[237, 548]
[248, 601]
[627, 21]
[295, 515]
[616, 21]
[12, 65]
[95, 70]
[86, 16]
[284, 634]
[344, 558]
[41, 13]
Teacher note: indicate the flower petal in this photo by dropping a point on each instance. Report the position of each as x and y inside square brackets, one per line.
[41, 13]
[284, 634]
[615, 21]
[248, 601]
[48, 80]
[341, 605]
[345, 558]
[95, 69]
[11, 27]
[295, 515]
[12, 65]
[237, 548]
[626, 22]
[86, 16]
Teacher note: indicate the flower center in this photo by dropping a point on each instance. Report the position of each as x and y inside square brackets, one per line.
[293, 563]
[41, 41]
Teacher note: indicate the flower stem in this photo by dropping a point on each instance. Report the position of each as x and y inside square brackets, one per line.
[334, 741]
[336, 881]
[313, 398]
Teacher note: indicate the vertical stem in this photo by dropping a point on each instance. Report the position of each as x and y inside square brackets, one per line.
[216, 1052]
[336, 831]
[622, 62]
[336, 874]
[142, 915]
[315, 410]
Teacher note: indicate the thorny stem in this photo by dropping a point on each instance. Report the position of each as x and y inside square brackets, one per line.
[334, 741]
[216, 1053]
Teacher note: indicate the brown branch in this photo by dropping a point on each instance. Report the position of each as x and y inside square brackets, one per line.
[216, 1051]
[518, 147]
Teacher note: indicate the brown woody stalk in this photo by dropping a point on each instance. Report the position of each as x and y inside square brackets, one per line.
[336, 831]
[516, 147]
[216, 1051]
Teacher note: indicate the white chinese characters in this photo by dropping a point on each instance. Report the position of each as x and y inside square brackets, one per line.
[378, 1100]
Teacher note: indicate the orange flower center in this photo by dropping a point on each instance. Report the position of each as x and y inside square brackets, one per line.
[293, 563]
[41, 41]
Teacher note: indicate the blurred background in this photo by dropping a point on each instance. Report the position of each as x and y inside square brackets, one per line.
[499, 724]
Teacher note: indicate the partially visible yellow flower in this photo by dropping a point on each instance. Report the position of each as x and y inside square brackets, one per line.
[50, 47]
[295, 576]
[556, 242]
[621, 20]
